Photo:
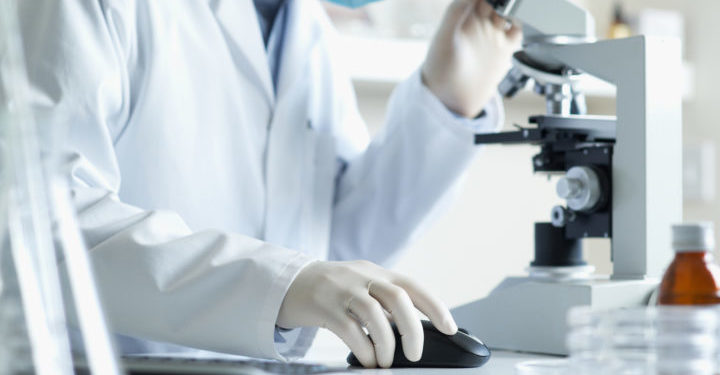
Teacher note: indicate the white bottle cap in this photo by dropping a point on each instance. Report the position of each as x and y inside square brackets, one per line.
[693, 237]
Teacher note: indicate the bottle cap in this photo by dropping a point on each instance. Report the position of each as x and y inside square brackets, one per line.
[693, 237]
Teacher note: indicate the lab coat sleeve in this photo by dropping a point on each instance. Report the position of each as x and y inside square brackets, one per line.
[158, 279]
[408, 173]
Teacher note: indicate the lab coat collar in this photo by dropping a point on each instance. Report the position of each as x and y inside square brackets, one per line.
[239, 20]
[302, 35]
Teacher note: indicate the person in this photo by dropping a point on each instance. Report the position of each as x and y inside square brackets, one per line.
[224, 181]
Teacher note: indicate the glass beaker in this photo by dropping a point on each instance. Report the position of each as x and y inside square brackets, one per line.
[664, 340]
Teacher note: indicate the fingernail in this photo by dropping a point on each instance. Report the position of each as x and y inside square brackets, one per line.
[452, 326]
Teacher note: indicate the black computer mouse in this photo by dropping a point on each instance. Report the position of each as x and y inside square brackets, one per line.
[440, 350]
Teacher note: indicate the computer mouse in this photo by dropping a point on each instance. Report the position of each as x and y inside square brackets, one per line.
[440, 350]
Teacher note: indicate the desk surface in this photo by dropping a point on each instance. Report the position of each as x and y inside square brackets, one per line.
[331, 351]
[501, 363]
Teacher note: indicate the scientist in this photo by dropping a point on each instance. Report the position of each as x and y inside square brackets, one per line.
[225, 182]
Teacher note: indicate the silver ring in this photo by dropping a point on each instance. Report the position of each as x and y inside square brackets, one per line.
[347, 305]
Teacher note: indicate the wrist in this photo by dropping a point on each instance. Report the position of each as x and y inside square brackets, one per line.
[464, 106]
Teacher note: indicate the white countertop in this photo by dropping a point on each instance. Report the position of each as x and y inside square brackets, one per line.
[501, 363]
[329, 350]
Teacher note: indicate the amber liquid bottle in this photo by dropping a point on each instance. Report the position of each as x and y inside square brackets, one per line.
[693, 278]
[619, 28]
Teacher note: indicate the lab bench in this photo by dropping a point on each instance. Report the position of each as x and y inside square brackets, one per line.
[330, 351]
[501, 363]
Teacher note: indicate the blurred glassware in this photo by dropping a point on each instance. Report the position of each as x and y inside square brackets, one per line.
[664, 340]
[619, 27]
[15, 353]
[25, 212]
[41, 234]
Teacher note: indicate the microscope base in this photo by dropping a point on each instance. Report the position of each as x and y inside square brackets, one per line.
[529, 315]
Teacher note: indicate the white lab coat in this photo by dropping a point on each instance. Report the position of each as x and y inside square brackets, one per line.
[200, 191]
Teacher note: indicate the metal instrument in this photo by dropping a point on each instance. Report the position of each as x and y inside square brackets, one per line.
[621, 175]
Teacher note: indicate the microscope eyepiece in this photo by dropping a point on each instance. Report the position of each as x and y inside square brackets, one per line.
[500, 5]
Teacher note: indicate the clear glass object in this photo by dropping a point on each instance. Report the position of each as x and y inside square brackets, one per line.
[37, 223]
[32, 252]
[15, 353]
[664, 340]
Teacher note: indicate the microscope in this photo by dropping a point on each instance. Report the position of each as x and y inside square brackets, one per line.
[620, 176]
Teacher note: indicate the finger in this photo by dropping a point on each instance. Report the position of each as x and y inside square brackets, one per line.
[458, 11]
[514, 33]
[498, 22]
[388, 316]
[368, 310]
[483, 9]
[397, 302]
[350, 332]
[435, 310]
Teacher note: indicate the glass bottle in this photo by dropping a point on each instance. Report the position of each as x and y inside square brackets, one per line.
[619, 27]
[692, 278]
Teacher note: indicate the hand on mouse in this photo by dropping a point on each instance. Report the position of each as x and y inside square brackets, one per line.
[469, 56]
[344, 297]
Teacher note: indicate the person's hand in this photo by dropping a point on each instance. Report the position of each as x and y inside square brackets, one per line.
[469, 56]
[344, 297]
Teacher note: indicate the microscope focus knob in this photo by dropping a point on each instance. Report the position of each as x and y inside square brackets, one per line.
[561, 216]
[568, 188]
[581, 188]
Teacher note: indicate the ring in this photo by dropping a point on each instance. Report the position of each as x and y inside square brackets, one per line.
[348, 310]
[369, 283]
[347, 305]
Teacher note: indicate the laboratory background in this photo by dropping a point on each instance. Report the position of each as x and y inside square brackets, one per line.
[487, 233]
[475, 253]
